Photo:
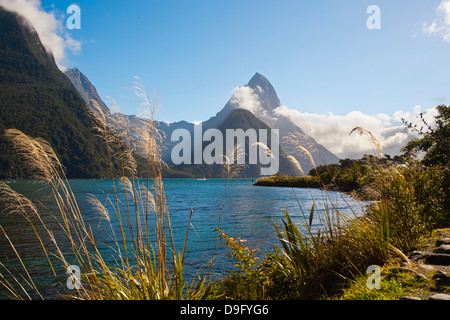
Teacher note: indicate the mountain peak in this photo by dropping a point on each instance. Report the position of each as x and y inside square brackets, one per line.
[267, 94]
[258, 77]
[259, 80]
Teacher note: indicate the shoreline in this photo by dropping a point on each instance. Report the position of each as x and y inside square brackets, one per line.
[365, 193]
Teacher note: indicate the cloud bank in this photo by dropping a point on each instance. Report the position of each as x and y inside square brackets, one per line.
[332, 131]
[245, 98]
[50, 29]
[441, 25]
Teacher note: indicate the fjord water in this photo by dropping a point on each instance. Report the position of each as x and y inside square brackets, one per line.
[248, 213]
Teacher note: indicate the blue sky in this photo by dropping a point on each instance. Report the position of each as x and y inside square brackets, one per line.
[319, 55]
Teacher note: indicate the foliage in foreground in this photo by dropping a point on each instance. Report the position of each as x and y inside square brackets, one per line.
[413, 202]
[307, 263]
[316, 264]
[148, 266]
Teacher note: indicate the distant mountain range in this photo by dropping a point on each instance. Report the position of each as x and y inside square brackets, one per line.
[38, 99]
[252, 106]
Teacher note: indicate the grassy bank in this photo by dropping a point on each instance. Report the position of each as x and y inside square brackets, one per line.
[355, 177]
[289, 182]
[332, 262]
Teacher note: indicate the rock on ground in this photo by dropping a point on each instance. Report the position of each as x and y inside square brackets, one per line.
[440, 296]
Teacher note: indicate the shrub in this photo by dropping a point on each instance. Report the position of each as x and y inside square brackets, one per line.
[413, 202]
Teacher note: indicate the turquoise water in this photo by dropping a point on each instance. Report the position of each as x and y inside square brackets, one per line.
[248, 213]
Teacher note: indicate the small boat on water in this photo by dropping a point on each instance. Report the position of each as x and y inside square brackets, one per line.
[202, 179]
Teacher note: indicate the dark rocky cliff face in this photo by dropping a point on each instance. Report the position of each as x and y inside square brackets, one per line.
[86, 89]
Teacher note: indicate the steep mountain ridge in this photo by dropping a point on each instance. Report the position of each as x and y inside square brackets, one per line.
[86, 89]
[258, 99]
[38, 99]
[261, 99]
[236, 119]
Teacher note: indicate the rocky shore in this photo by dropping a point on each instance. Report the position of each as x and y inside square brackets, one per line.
[431, 262]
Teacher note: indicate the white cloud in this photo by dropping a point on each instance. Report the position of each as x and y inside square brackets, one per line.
[249, 99]
[50, 29]
[441, 25]
[245, 98]
[332, 131]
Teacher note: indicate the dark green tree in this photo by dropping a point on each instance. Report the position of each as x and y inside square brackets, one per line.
[434, 140]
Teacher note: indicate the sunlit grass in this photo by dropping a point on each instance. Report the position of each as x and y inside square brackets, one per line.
[146, 267]
[393, 285]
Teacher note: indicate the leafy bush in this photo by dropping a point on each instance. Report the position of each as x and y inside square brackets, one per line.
[434, 140]
[249, 281]
[414, 202]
